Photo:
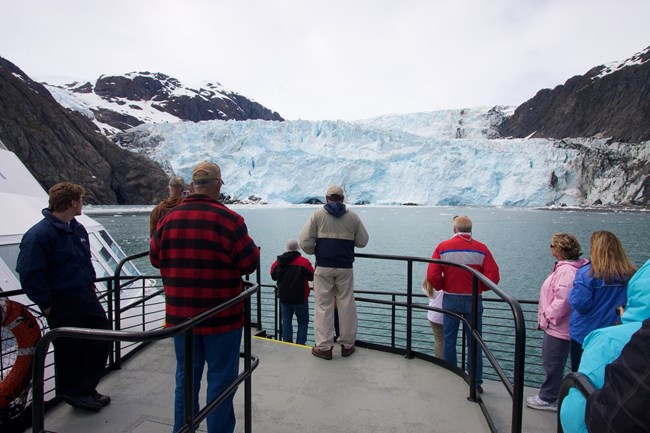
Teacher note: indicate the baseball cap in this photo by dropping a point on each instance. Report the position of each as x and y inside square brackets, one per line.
[207, 171]
[335, 190]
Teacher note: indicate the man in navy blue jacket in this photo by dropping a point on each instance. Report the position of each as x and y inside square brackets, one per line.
[57, 274]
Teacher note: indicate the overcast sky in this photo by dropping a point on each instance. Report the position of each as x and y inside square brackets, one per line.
[331, 59]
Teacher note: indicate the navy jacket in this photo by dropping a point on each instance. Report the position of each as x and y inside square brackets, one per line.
[55, 258]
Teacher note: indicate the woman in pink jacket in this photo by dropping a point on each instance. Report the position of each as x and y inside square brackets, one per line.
[553, 318]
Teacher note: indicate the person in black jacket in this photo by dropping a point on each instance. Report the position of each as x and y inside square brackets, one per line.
[57, 274]
[293, 272]
[621, 405]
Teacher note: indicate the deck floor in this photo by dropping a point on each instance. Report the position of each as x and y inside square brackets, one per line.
[294, 392]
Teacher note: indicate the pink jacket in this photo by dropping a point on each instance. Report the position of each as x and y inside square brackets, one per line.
[554, 310]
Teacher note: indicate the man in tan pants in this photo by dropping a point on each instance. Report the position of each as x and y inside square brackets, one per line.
[332, 233]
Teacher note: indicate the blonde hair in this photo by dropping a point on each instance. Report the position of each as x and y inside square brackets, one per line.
[608, 259]
[566, 245]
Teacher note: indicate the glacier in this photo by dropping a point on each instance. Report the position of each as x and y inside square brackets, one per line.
[448, 157]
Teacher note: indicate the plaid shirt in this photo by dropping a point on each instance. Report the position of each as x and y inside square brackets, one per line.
[202, 249]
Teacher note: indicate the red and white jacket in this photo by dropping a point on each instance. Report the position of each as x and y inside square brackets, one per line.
[467, 251]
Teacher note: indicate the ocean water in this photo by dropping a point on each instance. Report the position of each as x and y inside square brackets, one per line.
[518, 238]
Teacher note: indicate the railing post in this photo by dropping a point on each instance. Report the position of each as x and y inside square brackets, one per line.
[38, 373]
[188, 379]
[472, 342]
[518, 379]
[409, 308]
[113, 358]
[248, 384]
[393, 331]
[259, 292]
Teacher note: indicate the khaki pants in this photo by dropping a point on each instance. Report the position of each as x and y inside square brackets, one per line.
[438, 337]
[330, 284]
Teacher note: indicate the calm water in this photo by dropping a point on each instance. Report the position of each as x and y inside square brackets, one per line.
[518, 238]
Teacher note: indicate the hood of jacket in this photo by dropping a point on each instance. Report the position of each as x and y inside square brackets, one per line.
[335, 208]
[638, 296]
[288, 257]
[170, 203]
[571, 263]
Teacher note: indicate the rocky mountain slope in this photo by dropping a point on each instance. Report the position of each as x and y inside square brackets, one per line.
[610, 101]
[58, 144]
[119, 102]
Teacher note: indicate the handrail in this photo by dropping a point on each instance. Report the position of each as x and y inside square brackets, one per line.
[516, 389]
[148, 336]
[578, 380]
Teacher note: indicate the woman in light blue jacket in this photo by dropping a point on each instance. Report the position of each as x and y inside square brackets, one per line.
[599, 287]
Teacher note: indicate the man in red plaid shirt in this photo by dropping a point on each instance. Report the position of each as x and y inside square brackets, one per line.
[202, 249]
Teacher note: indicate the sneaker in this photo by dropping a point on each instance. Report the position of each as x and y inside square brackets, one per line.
[345, 352]
[536, 402]
[320, 353]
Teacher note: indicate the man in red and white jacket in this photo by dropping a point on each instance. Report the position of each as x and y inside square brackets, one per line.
[456, 283]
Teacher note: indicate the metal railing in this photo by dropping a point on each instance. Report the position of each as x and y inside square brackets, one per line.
[117, 336]
[387, 321]
[514, 387]
[581, 382]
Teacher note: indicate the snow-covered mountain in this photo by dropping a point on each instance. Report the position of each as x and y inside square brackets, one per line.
[437, 158]
[118, 102]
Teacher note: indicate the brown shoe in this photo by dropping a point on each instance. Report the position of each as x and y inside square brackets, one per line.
[319, 353]
[347, 352]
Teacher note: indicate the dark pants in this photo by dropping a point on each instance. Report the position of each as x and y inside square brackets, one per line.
[576, 355]
[301, 311]
[79, 363]
[555, 351]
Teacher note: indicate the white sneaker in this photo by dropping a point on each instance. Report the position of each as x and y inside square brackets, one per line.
[537, 403]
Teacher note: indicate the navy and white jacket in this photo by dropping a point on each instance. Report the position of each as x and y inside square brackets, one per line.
[331, 233]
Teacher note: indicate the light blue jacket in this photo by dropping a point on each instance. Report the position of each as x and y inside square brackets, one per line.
[604, 345]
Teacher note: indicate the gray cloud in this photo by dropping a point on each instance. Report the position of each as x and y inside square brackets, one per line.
[337, 59]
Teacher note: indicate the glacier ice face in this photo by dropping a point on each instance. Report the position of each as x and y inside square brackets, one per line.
[436, 158]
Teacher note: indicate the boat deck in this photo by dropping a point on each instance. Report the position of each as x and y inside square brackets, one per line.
[293, 391]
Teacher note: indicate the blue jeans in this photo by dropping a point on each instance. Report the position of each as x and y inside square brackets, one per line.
[302, 315]
[461, 305]
[221, 352]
